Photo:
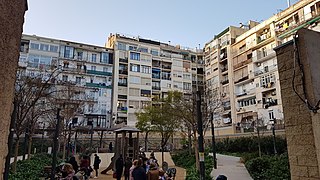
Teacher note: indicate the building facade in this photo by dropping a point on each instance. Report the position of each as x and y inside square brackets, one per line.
[84, 73]
[146, 69]
[253, 78]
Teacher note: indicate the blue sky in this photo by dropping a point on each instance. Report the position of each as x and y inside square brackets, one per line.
[184, 22]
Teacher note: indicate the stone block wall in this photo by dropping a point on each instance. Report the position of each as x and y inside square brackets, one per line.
[301, 131]
[11, 22]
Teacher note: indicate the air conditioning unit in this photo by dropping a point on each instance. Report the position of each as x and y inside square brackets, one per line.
[258, 64]
[223, 94]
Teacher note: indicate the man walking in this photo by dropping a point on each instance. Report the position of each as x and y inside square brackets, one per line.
[119, 167]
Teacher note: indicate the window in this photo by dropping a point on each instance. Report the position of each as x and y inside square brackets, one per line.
[134, 91]
[105, 69]
[135, 56]
[122, 46]
[64, 77]
[44, 47]
[122, 82]
[266, 80]
[154, 52]
[94, 57]
[271, 115]
[135, 80]
[166, 76]
[145, 104]
[104, 57]
[133, 48]
[187, 76]
[53, 48]
[78, 80]
[34, 46]
[186, 86]
[68, 53]
[146, 81]
[93, 68]
[134, 68]
[80, 55]
[247, 102]
[146, 69]
[145, 93]
[143, 49]
[134, 104]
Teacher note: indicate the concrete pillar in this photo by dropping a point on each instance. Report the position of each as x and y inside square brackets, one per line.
[302, 125]
[11, 22]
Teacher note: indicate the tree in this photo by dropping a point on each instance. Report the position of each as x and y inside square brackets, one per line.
[30, 89]
[157, 117]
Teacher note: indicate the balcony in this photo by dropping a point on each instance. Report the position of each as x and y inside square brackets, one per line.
[227, 107]
[156, 76]
[263, 55]
[269, 102]
[122, 84]
[226, 81]
[243, 63]
[98, 85]
[242, 79]
[122, 109]
[156, 88]
[167, 67]
[123, 60]
[125, 72]
[268, 85]
[266, 69]
[224, 69]
[101, 73]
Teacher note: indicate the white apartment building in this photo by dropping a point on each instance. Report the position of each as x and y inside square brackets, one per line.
[144, 69]
[86, 68]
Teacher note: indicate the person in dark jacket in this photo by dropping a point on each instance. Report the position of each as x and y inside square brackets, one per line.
[119, 167]
[74, 164]
[127, 166]
[96, 164]
[139, 172]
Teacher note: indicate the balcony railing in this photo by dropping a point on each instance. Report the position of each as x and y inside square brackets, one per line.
[101, 73]
[122, 84]
[156, 87]
[98, 85]
[270, 102]
[242, 79]
[122, 109]
[236, 66]
[166, 67]
[123, 60]
[226, 81]
[123, 72]
[265, 70]
[156, 76]
[260, 55]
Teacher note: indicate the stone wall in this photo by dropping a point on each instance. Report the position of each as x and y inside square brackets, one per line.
[11, 22]
[302, 132]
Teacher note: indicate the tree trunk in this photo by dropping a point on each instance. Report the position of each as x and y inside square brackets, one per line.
[29, 146]
[146, 142]
[64, 148]
[16, 152]
[189, 141]
[196, 148]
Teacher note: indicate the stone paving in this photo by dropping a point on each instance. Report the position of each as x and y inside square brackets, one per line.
[231, 167]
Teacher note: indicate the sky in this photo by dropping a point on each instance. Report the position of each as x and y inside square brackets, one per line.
[184, 22]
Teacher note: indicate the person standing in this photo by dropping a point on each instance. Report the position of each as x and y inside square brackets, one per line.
[119, 167]
[127, 166]
[96, 164]
[139, 172]
[74, 164]
[110, 147]
[153, 173]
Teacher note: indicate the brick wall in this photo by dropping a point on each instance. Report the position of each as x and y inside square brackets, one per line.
[301, 132]
[11, 21]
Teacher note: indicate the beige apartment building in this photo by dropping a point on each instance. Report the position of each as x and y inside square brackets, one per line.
[144, 69]
[253, 78]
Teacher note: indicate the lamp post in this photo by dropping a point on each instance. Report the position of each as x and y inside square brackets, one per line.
[274, 121]
[200, 138]
[213, 144]
[42, 137]
[55, 145]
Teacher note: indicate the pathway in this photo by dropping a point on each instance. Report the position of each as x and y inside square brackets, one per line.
[231, 167]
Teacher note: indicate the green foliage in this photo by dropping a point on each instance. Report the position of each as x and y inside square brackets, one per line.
[183, 159]
[31, 169]
[269, 167]
[250, 145]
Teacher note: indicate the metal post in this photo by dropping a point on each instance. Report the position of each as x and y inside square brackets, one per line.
[42, 137]
[75, 141]
[274, 138]
[213, 144]
[10, 141]
[69, 139]
[200, 138]
[25, 143]
[55, 145]
[91, 138]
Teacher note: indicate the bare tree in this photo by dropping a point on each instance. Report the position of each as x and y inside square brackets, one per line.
[30, 89]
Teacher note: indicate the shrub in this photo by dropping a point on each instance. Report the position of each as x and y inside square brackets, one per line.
[183, 159]
[269, 167]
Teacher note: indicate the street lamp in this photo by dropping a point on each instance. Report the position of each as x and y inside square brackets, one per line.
[213, 144]
[42, 137]
[274, 121]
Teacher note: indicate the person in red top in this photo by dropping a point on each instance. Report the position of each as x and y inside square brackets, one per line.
[85, 166]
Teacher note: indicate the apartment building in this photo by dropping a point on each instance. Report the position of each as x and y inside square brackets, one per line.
[253, 79]
[145, 69]
[84, 69]
[218, 67]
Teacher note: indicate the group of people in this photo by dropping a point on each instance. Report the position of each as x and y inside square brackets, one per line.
[142, 168]
[71, 167]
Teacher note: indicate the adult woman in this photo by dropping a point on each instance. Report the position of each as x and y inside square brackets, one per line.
[68, 171]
